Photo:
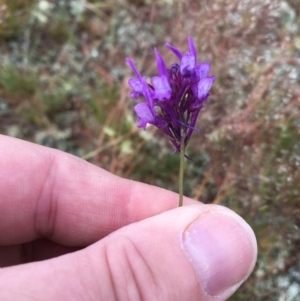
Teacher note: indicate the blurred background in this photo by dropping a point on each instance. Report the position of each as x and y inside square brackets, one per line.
[63, 84]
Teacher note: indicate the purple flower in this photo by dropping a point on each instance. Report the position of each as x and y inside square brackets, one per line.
[176, 95]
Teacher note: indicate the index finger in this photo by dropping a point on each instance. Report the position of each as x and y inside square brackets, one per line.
[48, 193]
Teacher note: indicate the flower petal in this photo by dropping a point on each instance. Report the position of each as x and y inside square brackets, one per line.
[202, 70]
[213, 78]
[161, 66]
[174, 50]
[135, 84]
[132, 66]
[147, 95]
[137, 87]
[192, 47]
[161, 87]
[144, 114]
[203, 87]
[134, 95]
[187, 64]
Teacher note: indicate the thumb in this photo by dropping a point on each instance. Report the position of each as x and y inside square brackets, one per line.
[190, 253]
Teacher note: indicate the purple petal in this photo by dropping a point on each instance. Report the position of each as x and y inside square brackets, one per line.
[136, 85]
[203, 87]
[132, 66]
[147, 95]
[202, 70]
[134, 95]
[174, 50]
[161, 66]
[192, 47]
[161, 87]
[187, 63]
[213, 78]
[144, 114]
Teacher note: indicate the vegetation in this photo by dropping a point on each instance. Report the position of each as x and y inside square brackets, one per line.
[63, 83]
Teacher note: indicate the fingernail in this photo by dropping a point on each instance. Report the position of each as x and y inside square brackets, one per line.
[222, 249]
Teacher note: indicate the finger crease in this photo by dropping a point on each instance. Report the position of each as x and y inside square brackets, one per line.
[140, 256]
[46, 205]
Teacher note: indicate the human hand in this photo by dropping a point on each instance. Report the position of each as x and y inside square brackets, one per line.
[86, 234]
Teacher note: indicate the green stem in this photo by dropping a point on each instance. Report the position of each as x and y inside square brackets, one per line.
[181, 169]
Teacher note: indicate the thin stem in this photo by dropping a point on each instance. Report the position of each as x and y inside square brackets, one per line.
[181, 167]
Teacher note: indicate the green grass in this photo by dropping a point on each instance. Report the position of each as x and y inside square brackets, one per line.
[18, 82]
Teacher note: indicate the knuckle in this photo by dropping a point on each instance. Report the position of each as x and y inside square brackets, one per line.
[46, 203]
[132, 278]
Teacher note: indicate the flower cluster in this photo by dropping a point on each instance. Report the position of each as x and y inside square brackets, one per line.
[175, 97]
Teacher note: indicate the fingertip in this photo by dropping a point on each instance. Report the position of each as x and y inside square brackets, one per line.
[222, 249]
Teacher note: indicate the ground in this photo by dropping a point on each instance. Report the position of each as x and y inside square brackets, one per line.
[63, 83]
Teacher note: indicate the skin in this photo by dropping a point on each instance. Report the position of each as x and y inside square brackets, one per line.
[72, 231]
